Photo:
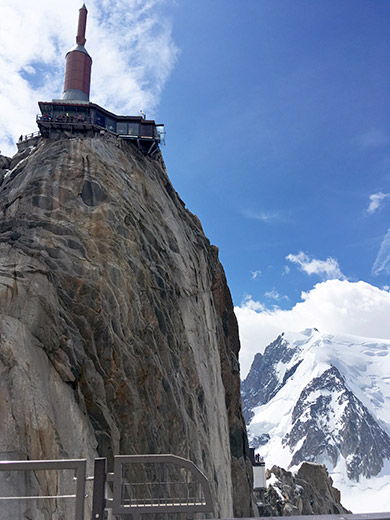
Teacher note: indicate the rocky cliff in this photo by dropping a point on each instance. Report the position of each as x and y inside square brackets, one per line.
[117, 331]
[309, 492]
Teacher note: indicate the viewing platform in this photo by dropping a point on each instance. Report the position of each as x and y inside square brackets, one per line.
[90, 119]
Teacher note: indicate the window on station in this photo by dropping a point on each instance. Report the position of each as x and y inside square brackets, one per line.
[71, 115]
[58, 111]
[134, 129]
[110, 124]
[100, 119]
[147, 130]
[121, 128]
[159, 133]
[82, 114]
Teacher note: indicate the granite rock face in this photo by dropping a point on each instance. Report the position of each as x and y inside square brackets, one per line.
[117, 331]
[309, 492]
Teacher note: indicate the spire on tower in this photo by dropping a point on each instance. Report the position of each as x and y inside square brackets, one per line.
[78, 65]
[80, 38]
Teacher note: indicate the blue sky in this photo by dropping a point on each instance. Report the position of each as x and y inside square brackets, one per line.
[278, 126]
[278, 136]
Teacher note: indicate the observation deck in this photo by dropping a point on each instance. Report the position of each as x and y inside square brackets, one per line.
[90, 119]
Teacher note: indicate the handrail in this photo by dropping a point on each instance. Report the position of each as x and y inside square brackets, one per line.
[64, 119]
[155, 505]
[27, 137]
[357, 516]
[34, 465]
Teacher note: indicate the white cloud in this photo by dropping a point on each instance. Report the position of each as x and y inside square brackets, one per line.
[252, 305]
[376, 200]
[373, 138]
[130, 42]
[264, 216]
[255, 274]
[382, 261]
[327, 269]
[274, 295]
[333, 306]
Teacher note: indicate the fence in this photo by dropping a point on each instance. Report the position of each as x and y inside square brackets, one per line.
[141, 484]
[159, 484]
[29, 136]
[78, 465]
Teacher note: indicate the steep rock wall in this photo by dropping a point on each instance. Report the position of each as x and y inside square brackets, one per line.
[117, 327]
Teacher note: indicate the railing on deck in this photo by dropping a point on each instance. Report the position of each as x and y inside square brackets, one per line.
[64, 119]
[78, 465]
[159, 484]
[362, 516]
[141, 484]
[27, 137]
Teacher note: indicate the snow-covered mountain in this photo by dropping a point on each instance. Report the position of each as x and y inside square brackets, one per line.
[325, 398]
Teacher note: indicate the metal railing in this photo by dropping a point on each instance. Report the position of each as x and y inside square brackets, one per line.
[141, 484]
[78, 465]
[63, 118]
[27, 137]
[158, 484]
[361, 516]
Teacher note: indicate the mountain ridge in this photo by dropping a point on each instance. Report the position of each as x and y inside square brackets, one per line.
[322, 398]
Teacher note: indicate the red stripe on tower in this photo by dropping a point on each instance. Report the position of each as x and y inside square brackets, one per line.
[78, 65]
